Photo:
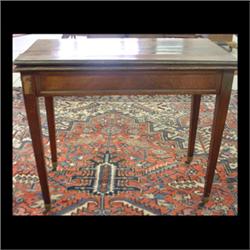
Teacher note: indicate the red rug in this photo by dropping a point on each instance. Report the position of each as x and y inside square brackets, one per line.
[121, 155]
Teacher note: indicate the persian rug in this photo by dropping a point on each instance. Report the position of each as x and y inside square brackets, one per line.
[125, 155]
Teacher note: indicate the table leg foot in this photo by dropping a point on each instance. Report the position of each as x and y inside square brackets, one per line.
[189, 159]
[54, 166]
[47, 208]
[203, 202]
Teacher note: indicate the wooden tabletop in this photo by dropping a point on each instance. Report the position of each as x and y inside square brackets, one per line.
[125, 51]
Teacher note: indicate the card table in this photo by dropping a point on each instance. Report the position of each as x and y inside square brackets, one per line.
[125, 66]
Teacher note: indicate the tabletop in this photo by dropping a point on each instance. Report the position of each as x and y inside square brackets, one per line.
[100, 51]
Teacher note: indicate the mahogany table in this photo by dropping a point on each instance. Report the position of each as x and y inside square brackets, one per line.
[137, 66]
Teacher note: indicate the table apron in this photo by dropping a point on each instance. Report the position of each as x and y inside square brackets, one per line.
[142, 82]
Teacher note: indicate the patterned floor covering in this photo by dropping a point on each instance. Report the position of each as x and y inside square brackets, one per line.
[125, 155]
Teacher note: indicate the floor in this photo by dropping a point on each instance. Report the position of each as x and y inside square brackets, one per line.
[22, 43]
[125, 155]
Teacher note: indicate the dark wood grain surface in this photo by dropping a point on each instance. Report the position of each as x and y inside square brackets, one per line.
[125, 51]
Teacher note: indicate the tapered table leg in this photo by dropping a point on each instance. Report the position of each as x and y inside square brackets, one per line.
[51, 127]
[220, 114]
[32, 110]
[195, 107]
